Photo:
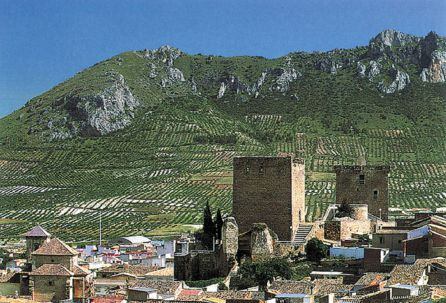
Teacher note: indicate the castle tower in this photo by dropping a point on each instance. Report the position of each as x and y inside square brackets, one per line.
[362, 184]
[34, 239]
[269, 190]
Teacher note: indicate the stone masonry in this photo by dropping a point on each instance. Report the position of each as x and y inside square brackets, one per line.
[269, 190]
[363, 184]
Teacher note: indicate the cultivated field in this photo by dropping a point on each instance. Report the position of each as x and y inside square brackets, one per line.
[154, 178]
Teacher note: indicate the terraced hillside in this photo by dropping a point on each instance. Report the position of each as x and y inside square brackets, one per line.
[145, 138]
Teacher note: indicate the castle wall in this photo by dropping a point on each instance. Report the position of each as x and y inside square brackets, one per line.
[298, 193]
[269, 190]
[202, 265]
[364, 185]
[338, 230]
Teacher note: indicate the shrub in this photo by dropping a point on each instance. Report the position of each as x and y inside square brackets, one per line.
[316, 250]
[344, 210]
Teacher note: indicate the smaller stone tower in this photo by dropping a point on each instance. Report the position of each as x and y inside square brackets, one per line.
[364, 184]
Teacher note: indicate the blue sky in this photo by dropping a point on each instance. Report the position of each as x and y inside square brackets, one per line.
[44, 42]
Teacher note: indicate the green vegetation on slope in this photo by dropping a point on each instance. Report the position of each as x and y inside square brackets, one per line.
[155, 175]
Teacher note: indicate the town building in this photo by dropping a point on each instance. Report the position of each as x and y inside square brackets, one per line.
[56, 274]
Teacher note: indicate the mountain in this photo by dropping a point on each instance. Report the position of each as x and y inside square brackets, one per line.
[147, 137]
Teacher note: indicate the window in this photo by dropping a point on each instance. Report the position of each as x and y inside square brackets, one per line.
[361, 179]
[51, 283]
[247, 169]
[381, 240]
[261, 168]
[375, 194]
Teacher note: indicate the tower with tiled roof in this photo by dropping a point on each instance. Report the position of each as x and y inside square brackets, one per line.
[34, 239]
[56, 274]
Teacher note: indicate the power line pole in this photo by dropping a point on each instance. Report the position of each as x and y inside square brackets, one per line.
[100, 228]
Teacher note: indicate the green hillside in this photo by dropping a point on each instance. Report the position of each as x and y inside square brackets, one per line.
[147, 137]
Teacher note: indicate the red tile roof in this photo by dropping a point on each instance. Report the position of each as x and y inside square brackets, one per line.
[37, 231]
[79, 271]
[55, 247]
[51, 270]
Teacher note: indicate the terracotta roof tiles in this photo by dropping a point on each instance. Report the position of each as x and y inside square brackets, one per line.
[37, 231]
[55, 247]
[79, 271]
[51, 270]
[163, 287]
[372, 278]
[137, 270]
[296, 287]
[411, 274]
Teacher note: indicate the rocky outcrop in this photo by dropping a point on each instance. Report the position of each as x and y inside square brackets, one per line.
[231, 83]
[361, 69]
[284, 77]
[328, 65]
[255, 89]
[174, 75]
[401, 80]
[375, 74]
[102, 113]
[436, 71]
[386, 42]
[374, 70]
[166, 54]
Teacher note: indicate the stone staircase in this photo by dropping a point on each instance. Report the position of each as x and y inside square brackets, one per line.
[301, 234]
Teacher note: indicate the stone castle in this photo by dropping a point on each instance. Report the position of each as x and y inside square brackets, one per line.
[363, 184]
[269, 190]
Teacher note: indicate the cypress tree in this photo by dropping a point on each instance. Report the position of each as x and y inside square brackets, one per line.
[219, 223]
[208, 226]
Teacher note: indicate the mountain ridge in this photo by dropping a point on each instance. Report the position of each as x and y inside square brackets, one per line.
[147, 137]
[381, 62]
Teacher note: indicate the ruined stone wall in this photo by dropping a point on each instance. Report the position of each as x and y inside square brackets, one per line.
[269, 190]
[203, 265]
[182, 267]
[364, 185]
[348, 228]
[262, 241]
[332, 230]
[229, 235]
